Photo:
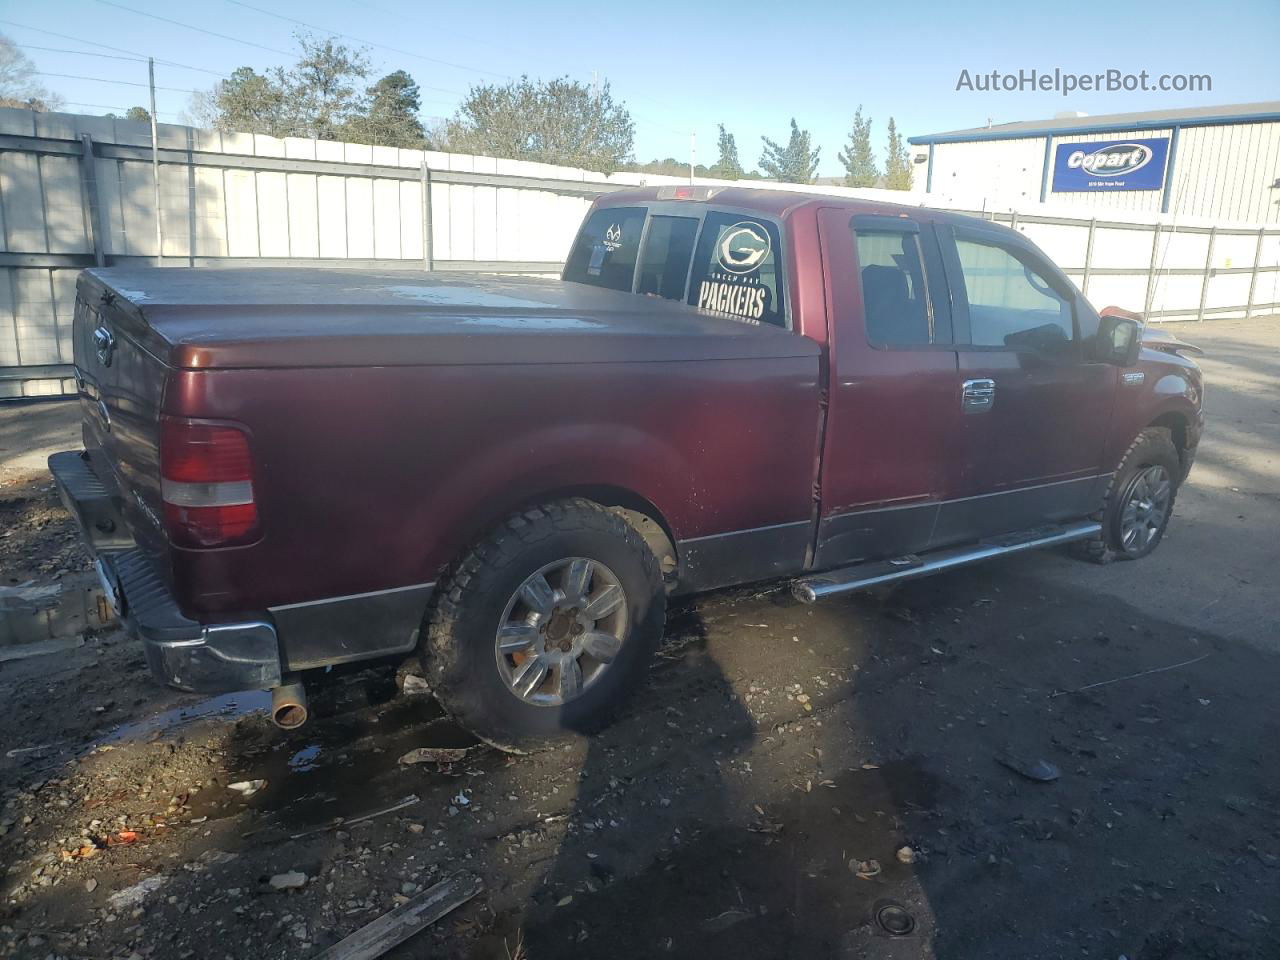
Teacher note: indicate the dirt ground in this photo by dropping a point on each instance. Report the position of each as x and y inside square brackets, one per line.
[808, 782]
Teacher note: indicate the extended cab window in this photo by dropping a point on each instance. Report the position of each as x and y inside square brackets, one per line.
[1010, 303]
[894, 299]
[664, 265]
[605, 252]
[736, 270]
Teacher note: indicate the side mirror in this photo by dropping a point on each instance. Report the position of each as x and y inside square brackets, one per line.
[1119, 340]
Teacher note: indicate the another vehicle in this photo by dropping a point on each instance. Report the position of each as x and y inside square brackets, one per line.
[286, 469]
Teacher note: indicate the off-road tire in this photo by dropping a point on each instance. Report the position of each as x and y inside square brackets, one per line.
[1152, 447]
[459, 652]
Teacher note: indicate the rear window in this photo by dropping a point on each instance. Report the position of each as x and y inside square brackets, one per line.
[735, 270]
[605, 252]
[664, 265]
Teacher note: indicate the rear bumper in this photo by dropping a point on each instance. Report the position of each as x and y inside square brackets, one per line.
[214, 657]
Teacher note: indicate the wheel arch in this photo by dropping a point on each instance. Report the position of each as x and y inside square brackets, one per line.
[1179, 426]
[637, 510]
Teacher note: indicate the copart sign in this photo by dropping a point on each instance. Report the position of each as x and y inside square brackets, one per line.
[1101, 165]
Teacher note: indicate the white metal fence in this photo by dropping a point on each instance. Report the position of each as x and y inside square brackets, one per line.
[77, 191]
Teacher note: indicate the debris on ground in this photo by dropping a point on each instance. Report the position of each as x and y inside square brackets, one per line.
[435, 755]
[1041, 771]
[391, 929]
[133, 896]
[866, 869]
[293, 880]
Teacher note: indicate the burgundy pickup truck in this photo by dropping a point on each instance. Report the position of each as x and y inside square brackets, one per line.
[286, 469]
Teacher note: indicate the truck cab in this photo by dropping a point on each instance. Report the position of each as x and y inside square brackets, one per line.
[970, 389]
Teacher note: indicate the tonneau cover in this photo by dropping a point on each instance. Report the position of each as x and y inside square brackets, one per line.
[210, 318]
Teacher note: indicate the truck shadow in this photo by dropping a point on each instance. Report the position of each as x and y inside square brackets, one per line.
[961, 681]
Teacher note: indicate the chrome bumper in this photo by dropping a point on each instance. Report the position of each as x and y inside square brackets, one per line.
[211, 658]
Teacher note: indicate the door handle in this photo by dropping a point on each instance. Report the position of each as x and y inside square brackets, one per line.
[978, 396]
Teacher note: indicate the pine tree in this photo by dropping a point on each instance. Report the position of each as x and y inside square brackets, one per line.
[391, 118]
[897, 168]
[858, 158]
[727, 167]
[797, 162]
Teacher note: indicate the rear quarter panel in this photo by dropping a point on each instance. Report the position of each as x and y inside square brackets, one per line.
[373, 478]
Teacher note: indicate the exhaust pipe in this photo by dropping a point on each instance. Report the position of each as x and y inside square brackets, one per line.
[289, 703]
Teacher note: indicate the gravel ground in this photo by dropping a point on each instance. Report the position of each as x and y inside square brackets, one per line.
[793, 781]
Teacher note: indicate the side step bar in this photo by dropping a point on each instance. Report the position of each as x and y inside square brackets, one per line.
[863, 575]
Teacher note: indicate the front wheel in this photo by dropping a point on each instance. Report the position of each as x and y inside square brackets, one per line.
[546, 626]
[1140, 501]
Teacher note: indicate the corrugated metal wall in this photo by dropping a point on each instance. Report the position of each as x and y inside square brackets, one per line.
[1002, 172]
[1227, 173]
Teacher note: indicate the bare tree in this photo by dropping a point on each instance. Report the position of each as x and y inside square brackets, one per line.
[18, 87]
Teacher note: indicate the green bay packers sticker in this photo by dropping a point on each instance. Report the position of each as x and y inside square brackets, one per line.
[732, 287]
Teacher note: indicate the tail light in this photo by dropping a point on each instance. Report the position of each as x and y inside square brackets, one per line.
[206, 483]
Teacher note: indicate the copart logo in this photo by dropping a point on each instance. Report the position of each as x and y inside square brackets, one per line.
[1112, 160]
[743, 247]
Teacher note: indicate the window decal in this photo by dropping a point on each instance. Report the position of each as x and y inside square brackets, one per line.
[740, 277]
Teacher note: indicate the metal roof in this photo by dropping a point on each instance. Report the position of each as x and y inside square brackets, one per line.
[1267, 112]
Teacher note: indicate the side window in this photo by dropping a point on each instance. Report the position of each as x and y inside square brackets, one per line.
[736, 270]
[604, 254]
[664, 265]
[894, 300]
[1010, 303]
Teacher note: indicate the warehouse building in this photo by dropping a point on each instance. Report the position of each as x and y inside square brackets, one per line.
[1221, 163]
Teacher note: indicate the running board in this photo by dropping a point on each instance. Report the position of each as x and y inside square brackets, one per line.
[864, 575]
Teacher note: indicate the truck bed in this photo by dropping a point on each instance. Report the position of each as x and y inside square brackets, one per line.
[204, 319]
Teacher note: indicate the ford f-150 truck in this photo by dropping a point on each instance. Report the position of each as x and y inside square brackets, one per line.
[287, 469]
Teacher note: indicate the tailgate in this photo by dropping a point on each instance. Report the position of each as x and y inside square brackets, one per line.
[121, 386]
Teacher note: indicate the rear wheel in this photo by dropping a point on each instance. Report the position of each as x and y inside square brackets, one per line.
[546, 626]
[1139, 503]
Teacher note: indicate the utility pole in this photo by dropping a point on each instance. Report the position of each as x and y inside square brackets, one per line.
[693, 152]
[155, 159]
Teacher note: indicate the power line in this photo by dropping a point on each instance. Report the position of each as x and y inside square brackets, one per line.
[369, 43]
[187, 26]
[125, 83]
[104, 106]
[82, 53]
[106, 46]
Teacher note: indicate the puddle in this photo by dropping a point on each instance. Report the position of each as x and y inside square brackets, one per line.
[227, 706]
[341, 765]
[305, 759]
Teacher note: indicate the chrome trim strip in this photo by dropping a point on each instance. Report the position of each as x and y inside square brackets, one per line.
[352, 596]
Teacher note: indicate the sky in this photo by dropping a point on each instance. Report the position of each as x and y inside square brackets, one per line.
[681, 68]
